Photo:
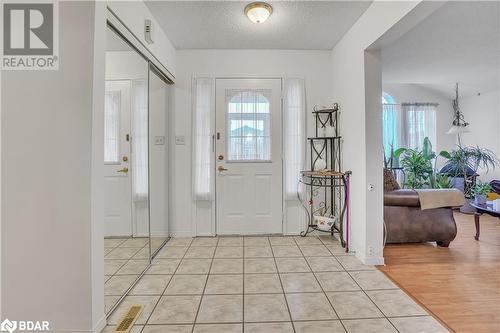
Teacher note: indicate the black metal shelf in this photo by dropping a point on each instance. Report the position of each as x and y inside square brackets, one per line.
[334, 108]
[325, 138]
[326, 111]
[326, 188]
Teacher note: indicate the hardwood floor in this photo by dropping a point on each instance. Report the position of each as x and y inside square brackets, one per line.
[460, 285]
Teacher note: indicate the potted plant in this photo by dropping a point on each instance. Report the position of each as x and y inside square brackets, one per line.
[480, 190]
[463, 166]
[419, 166]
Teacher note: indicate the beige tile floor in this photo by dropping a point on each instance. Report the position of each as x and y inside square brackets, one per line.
[268, 285]
[125, 258]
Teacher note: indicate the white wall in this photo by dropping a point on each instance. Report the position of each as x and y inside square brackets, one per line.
[410, 93]
[46, 183]
[483, 114]
[189, 220]
[362, 143]
[125, 65]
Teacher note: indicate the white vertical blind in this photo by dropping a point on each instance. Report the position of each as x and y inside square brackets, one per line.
[203, 115]
[294, 134]
[140, 139]
[112, 127]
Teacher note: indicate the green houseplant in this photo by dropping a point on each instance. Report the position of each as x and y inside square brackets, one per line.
[464, 163]
[480, 190]
[419, 166]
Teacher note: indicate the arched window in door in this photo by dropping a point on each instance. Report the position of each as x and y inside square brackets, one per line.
[248, 126]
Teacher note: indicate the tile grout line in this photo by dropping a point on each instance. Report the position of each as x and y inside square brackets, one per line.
[206, 282]
[123, 265]
[316, 278]
[348, 272]
[159, 299]
[282, 288]
[371, 300]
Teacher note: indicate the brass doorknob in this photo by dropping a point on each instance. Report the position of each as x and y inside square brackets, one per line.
[220, 157]
[221, 168]
[124, 170]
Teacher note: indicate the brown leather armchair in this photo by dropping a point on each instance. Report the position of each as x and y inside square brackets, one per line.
[406, 222]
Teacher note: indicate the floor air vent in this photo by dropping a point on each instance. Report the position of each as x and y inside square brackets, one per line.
[129, 319]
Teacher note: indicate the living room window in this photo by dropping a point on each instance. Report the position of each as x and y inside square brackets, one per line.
[407, 124]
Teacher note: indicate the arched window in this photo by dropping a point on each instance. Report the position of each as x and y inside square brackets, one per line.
[248, 125]
[387, 99]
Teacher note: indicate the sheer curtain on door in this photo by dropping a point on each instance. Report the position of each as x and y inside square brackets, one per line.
[294, 128]
[140, 139]
[203, 124]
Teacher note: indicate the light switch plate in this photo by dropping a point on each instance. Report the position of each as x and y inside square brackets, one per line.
[180, 140]
[159, 140]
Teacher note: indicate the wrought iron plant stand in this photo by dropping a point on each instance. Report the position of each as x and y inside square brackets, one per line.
[327, 186]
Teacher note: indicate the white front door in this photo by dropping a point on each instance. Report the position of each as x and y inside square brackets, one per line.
[117, 182]
[248, 156]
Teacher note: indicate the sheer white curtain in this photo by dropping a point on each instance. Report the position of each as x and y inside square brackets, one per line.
[112, 127]
[203, 115]
[140, 139]
[294, 134]
[393, 128]
[420, 121]
[407, 125]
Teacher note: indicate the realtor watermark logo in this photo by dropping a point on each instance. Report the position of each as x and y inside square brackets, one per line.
[12, 326]
[30, 36]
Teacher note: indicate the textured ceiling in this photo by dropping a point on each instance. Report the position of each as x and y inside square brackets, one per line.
[314, 25]
[460, 42]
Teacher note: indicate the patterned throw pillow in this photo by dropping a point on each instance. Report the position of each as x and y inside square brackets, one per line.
[390, 183]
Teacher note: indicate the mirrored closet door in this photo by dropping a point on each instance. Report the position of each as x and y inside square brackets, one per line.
[158, 157]
[136, 168]
[126, 168]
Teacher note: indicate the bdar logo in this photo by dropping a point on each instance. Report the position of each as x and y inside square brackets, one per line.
[8, 326]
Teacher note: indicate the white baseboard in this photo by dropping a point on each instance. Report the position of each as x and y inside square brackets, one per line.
[100, 325]
[160, 234]
[181, 234]
[370, 260]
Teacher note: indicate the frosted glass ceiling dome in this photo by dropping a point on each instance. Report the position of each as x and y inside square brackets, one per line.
[258, 12]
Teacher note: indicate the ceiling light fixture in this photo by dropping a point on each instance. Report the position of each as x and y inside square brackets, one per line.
[258, 12]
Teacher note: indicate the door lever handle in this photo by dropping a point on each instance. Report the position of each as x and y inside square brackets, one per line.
[124, 170]
[221, 168]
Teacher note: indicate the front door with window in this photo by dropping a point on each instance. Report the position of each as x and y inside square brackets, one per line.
[248, 148]
[117, 184]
